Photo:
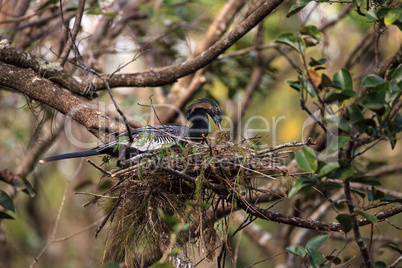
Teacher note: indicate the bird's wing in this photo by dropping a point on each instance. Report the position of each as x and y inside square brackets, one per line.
[148, 138]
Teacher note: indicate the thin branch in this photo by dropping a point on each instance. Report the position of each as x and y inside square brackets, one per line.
[369, 147]
[276, 255]
[365, 187]
[252, 86]
[385, 170]
[89, 227]
[377, 238]
[393, 61]
[362, 47]
[112, 211]
[170, 74]
[56, 224]
[355, 226]
[260, 237]
[128, 130]
[74, 33]
[98, 167]
[332, 21]
[45, 138]
[393, 225]
[97, 195]
[310, 224]
[247, 50]
[395, 263]
[286, 145]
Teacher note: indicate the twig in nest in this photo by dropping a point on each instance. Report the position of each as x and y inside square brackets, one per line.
[108, 216]
[98, 167]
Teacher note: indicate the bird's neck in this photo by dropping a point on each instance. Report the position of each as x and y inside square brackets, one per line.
[200, 126]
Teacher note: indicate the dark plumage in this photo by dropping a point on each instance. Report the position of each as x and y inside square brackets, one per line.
[152, 138]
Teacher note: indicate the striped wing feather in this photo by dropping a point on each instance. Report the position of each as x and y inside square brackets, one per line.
[146, 139]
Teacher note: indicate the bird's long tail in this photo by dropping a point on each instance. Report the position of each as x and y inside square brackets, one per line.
[70, 155]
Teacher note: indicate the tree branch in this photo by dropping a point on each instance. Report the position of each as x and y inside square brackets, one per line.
[170, 74]
[311, 224]
[355, 226]
[52, 71]
[40, 89]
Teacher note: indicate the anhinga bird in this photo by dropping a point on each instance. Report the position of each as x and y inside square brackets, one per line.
[152, 138]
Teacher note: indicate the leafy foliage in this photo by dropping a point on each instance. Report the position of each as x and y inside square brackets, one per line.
[310, 251]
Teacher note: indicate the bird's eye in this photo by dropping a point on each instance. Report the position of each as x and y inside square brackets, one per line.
[217, 118]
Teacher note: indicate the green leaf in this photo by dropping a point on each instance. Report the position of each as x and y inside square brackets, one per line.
[390, 198]
[343, 80]
[335, 260]
[306, 84]
[339, 142]
[359, 193]
[326, 81]
[382, 12]
[343, 172]
[29, 190]
[291, 40]
[370, 180]
[354, 114]
[294, 84]
[392, 140]
[183, 227]
[339, 122]
[315, 257]
[393, 94]
[379, 264]
[6, 201]
[367, 215]
[94, 12]
[372, 80]
[296, 250]
[340, 95]
[371, 16]
[316, 241]
[398, 123]
[328, 168]
[297, 8]
[170, 220]
[311, 31]
[48, 3]
[110, 14]
[345, 221]
[377, 194]
[392, 16]
[393, 247]
[307, 160]
[397, 74]
[314, 62]
[375, 98]
[300, 184]
[5, 216]
[72, 6]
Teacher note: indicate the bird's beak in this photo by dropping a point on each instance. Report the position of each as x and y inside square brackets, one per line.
[219, 126]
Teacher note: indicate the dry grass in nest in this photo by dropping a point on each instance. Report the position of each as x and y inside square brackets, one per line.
[154, 193]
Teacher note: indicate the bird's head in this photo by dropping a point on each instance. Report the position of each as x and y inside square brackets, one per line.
[208, 106]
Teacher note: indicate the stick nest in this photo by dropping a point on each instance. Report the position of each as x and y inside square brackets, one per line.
[154, 193]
